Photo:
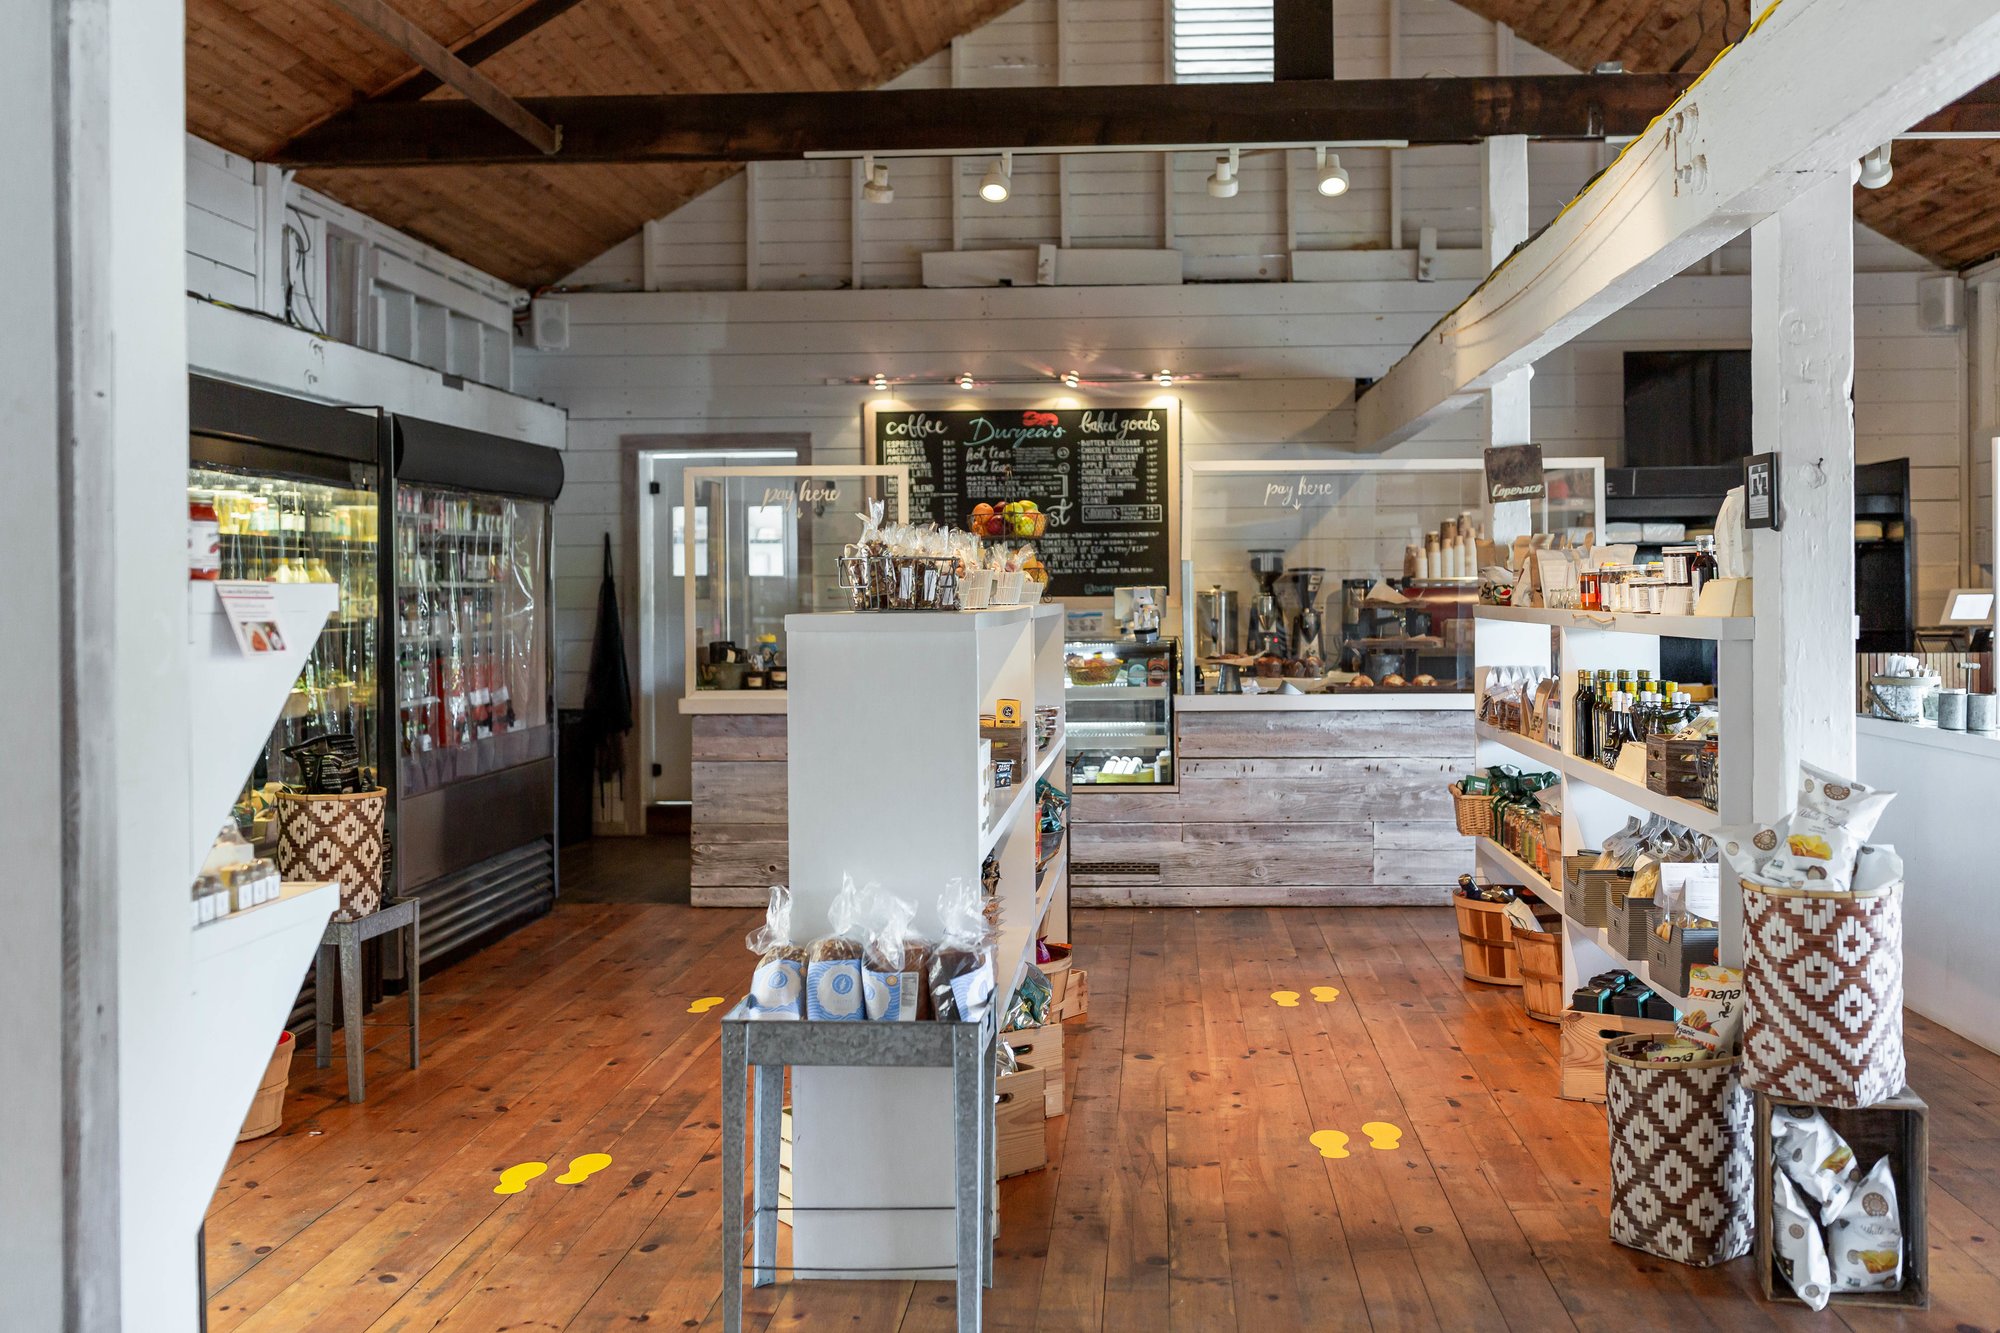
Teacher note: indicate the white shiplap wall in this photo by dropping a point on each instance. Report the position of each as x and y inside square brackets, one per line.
[681, 362]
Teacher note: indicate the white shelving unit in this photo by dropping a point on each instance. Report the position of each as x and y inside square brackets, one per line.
[1596, 801]
[885, 786]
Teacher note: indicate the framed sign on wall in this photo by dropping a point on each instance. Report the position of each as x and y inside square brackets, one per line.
[1105, 475]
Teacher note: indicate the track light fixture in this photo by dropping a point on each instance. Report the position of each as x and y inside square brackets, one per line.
[1165, 379]
[1070, 379]
[965, 380]
[1222, 183]
[998, 181]
[878, 382]
[1332, 181]
[875, 187]
[1876, 169]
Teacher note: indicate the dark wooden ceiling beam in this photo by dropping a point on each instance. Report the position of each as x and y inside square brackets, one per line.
[1302, 39]
[751, 127]
[523, 21]
[486, 97]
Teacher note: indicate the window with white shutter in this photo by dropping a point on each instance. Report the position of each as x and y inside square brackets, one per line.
[1221, 41]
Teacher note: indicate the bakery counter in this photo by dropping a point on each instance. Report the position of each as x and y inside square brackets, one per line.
[1285, 800]
[737, 814]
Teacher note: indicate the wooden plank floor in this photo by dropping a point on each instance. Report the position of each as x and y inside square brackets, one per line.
[1183, 1191]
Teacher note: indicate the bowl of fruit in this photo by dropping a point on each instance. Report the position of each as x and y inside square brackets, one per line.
[1017, 519]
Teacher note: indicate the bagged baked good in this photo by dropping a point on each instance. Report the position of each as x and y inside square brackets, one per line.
[778, 985]
[1816, 1158]
[1865, 1241]
[892, 985]
[1747, 851]
[1835, 815]
[961, 971]
[833, 964]
[1714, 1015]
[1800, 1251]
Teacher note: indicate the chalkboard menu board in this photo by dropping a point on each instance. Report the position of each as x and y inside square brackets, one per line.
[1103, 475]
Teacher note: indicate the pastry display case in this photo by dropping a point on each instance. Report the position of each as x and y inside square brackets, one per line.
[1355, 576]
[1119, 699]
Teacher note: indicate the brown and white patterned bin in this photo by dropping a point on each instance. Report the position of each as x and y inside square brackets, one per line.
[1681, 1157]
[335, 837]
[1823, 995]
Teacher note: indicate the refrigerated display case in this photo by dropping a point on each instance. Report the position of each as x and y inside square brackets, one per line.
[470, 625]
[1119, 702]
[296, 489]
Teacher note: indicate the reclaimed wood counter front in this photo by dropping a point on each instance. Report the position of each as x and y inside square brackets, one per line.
[738, 821]
[1284, 806]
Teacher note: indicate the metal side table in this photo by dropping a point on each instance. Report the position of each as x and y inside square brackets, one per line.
[967, 1049]
[344, 939]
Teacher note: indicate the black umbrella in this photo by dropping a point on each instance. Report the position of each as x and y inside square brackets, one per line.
[607, 697]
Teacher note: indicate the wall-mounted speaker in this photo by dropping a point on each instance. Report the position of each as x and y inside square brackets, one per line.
[548, 326]
[1941, 304]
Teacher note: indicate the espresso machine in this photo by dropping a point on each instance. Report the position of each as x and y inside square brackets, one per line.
[1267, 618]
[1308, 633]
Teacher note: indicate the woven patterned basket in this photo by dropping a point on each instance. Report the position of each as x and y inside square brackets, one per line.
[335, 837]
[1682, 1157]
[1823, 995]
[1474, 813]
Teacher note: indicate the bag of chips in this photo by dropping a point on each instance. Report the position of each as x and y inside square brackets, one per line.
[1801, 1253]
[962, 967]
[833, 966]
[1714, 1014]
[1865, 1242]
[777, 987]
[892, 981]
[1834, 818]
[1815, 1156]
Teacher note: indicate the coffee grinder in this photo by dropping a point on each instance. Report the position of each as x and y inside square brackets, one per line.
[1308, 634]
[1266, 635]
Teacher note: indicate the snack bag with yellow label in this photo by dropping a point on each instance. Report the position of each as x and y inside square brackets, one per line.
[1865, 1242]
[1801, 1252]
[1714, 1014]
[1815, 1156]
[1834, 818]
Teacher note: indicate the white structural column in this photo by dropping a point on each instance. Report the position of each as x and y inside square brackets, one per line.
[1503, 181]
[1802, 409]
[1809, 90]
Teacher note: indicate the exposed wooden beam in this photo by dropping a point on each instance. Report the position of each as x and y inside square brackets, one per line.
[1302, 39]
[487, 97]
[1809, 90]
[750, 127]
[536, 14]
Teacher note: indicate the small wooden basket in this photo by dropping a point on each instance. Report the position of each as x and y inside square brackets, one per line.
[1486, 941]
[1474, 813]
[267, 1108]
[1539, 955]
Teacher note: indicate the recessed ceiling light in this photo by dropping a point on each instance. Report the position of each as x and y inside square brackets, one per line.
[1332, 180]
[965, 380]
[879, 382]
[1222, 182]
[1164, 379]
[1070, 379]
[998, 182]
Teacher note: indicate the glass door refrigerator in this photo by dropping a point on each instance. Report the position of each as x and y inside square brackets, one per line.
[296, 488]
[472, 656]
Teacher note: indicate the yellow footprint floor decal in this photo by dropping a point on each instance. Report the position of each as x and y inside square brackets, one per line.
[1325, 994]
[704, 1005]
[584, 1167]
[1286, 999]
[1381, 1134]
[515, 1178]
[1330, 1142]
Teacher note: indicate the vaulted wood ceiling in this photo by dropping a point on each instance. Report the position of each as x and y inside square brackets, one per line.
[1941, 202]
[261, 71]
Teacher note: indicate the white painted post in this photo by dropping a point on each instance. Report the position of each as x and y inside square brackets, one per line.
[1393, 19]
[1503, 181]
[751, 257]
[1802, 379]
[855, 209]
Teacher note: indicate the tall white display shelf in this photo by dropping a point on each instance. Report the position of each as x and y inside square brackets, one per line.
[885, 786]
[1596, 802]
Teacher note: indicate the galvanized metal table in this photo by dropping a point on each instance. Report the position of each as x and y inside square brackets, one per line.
[342, 943]
[967, 1049]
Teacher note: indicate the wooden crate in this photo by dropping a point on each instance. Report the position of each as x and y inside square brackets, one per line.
[1584, 1037]
[1071, 998]
[1043, 1046]
[1539, 953]
[1899, 1129]
[1020, 1121]
[1486, 942]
